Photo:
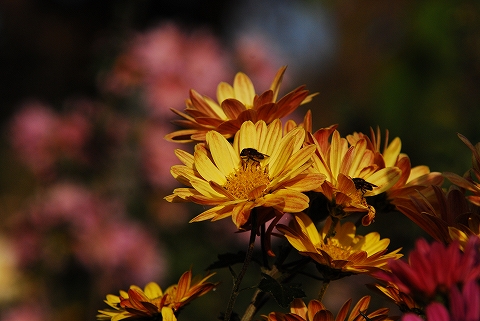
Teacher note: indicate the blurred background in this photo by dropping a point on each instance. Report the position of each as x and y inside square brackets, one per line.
[86, 91]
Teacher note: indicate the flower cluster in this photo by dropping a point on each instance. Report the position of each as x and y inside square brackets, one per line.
[313, 192]
[248, 166]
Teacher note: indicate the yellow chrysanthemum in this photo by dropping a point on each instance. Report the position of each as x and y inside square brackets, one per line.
[342, 254]
[152, 302]
[274, 178]
[235, 105]
[316, 311]
[412, 179]
[351, 173]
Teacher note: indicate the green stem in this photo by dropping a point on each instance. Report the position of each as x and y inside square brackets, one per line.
[325, 284]
[241, 274]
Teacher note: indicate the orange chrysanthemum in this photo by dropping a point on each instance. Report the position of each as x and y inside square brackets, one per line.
[412, 180]
[273, 174]
[152, 302]
[344, 253]
[235, 105]
[351, 173]
[316, 311]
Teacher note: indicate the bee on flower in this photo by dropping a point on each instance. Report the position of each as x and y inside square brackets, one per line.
[234, 184]
[412, 179]
[352, 174]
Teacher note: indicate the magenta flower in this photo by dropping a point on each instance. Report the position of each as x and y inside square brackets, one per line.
[434, 269]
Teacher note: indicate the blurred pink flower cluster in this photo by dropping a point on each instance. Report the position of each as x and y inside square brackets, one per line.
[69, 221]
[166, 62]
[41, 137]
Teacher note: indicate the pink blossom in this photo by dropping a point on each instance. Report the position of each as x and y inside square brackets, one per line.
[165, 62]
[122, 250]
[259, 59]
[31, 136]
[42, 138]
[26, 312]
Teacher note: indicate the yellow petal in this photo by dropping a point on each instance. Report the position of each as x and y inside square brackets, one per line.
[338, 149]
[305, 183]
[292, 201]
[216, 107]
[384, 179]
[275, 87]
[243, 88]
[308, 228]
[273, 136]
[247, 136]
[300, 157]
[391, 152]
[206, 168]
[280, 157]
[204, 188]
[224, 91]
[153, 290]
[223, 154]
[359, 151]
[185, 157]
[168, 315]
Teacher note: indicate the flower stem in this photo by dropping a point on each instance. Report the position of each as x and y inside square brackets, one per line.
[241, 274]
[325, 284]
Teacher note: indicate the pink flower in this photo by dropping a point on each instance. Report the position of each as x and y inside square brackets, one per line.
[31, 136]
[122, 251]
[433, 269]
[42, 138]
[165, 62]
[26, 312]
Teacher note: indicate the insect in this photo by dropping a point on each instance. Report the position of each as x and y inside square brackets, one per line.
[252, 154]
[363, 185]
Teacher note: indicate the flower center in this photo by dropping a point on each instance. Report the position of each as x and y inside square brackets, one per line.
[335, 250]
[249, 177]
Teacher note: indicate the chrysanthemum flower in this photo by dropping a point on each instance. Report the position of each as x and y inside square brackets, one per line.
[412, 180]
[351, 174]
[434, 268]
[342, 254]
[235, 105]
[152, 303]
[272, 175]
[316, 311]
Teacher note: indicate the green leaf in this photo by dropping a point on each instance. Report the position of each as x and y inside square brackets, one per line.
[283, 293]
